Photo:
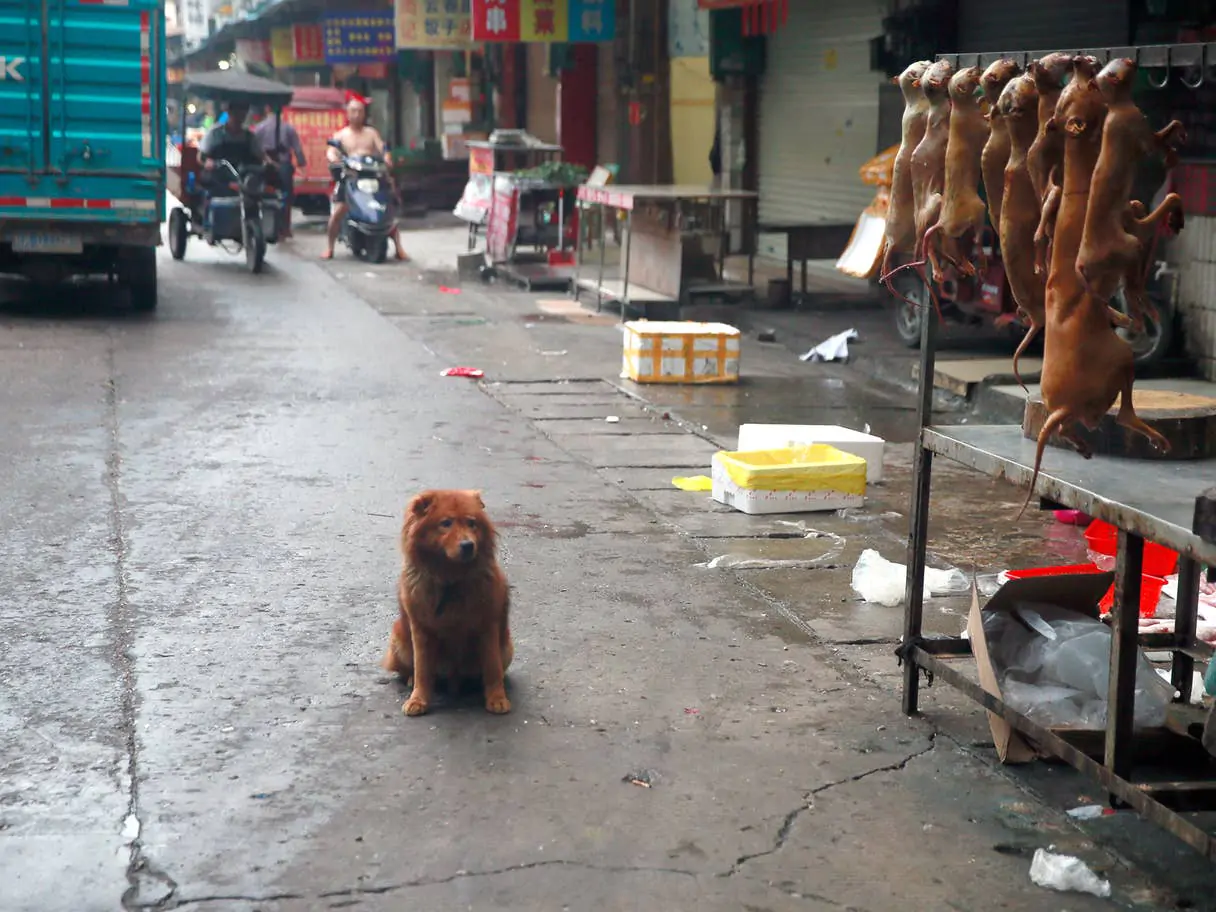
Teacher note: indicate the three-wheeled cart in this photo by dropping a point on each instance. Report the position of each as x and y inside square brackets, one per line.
[527, 218]
[248, 219]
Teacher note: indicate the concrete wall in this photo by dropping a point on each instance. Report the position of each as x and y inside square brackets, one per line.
[1193, 252]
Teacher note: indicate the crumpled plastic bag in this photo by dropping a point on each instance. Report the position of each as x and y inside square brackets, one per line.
[1054, 667]
[1066, 874]
[882, 582]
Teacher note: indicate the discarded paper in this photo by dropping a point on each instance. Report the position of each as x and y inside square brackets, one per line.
[835, 348]
[693, 482]
[1066, 874]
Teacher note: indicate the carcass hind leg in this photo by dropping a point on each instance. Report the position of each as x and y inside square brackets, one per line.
[1129, 419]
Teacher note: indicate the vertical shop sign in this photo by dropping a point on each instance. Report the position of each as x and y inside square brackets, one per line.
[309, 45]
[434, 23]
[496, 20]
[282, 48]
[544, 20]
[359, 37]
[592, 21]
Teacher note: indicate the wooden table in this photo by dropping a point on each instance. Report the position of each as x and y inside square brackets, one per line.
[809, 241]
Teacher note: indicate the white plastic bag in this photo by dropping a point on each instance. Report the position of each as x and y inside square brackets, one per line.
[882, 582]
[1066, 874]
[1054, 667]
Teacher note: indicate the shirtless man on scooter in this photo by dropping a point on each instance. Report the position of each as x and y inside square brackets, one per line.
[357, 138]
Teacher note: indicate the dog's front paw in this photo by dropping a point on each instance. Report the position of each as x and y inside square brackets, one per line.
[498, 704]
[415, 706]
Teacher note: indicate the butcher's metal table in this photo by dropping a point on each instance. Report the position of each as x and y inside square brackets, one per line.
[1146, 501]
[663, 268]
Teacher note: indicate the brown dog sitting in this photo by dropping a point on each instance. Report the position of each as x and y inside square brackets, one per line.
[454, 601]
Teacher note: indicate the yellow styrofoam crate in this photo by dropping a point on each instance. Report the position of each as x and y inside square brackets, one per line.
[658, 351]
[793, 480]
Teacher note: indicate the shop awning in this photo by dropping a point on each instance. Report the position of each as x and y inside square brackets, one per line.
[760, 17]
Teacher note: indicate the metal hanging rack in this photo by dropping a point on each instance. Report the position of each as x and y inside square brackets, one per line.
[1193, 59]
[1168, 511]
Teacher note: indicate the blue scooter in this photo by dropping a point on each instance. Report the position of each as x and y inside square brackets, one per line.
[372, 207]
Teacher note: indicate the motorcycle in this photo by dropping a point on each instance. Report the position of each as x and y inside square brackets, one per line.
[371, 205]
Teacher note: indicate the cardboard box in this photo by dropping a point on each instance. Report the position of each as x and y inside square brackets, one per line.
[657, 351]
[1076, 592]
[800, 480]
[777, 436]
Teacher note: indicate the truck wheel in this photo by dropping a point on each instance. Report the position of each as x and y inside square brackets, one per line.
[255, 246]
[377, 249]
[139, 275]
[178, 233]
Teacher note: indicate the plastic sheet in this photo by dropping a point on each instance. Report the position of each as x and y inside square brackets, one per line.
[882, 582]
[1066, 874]
[1054, 666]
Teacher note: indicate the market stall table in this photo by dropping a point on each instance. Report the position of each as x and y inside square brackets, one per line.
[1147, 500]
[670, 263]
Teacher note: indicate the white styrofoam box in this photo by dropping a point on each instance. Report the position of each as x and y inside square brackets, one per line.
[777, 436]
[658, 351]
[814, 479]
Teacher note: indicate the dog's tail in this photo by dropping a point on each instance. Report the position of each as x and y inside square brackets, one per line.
[1050, 426]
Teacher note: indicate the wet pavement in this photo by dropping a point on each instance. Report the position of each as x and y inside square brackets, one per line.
[200, 511]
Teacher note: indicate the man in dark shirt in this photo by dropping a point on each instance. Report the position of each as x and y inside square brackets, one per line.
[232, 141]
[288, 153]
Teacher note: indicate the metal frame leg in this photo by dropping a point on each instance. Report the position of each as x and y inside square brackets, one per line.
[1125, 628]
[599, 288]
[625, 263]
[918, 534]
[1183, 673]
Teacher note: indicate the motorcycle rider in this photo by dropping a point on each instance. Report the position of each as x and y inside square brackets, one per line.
[229, 141]
[358, 137]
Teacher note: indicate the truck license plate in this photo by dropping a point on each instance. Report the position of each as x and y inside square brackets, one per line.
[47, 242]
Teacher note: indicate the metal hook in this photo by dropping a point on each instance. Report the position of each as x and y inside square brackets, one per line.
[1200, 68]
[1165, 79]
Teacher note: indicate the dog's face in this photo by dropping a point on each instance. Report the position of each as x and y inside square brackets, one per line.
[449, 525]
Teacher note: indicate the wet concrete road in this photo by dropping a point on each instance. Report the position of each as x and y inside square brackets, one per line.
[198, 524]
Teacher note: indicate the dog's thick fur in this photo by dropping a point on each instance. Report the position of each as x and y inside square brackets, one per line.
[454, 601]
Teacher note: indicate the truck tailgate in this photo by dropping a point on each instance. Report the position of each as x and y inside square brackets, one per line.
[82, 110]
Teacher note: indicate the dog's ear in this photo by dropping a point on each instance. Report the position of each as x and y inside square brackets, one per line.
[419, 505]
[476, 495]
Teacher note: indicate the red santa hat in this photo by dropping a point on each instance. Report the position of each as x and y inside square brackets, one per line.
[355, 96]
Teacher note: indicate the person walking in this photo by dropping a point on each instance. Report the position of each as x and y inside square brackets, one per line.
[288, 154]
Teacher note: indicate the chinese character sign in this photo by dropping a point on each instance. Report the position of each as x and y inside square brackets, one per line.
[544, 20]
[282, 48]
[309, 45]
[434, 24]
[592, 21]
[355, 38]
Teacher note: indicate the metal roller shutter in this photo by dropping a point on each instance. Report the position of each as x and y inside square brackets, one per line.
[1031, 25]
[818, 115]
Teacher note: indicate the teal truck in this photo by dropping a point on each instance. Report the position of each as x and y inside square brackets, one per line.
[82, 140]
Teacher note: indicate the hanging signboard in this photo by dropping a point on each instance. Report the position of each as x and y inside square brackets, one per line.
[687, 29]
[442, 24]
[308, 45]
[533, 21]
[282, 48]
[252, 50]
[359, 37]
